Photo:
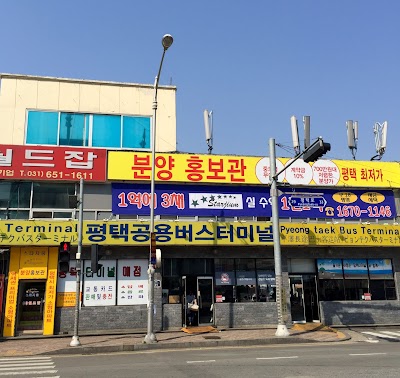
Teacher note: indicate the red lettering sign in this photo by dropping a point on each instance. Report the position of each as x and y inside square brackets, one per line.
[52, 163]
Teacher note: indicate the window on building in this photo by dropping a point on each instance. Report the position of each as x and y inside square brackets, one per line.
[246, 280]
[351, 279]
[91, 130]
[224, 280]
[266, 287]
[15, 195]
[331, 290]
[46, 195]
[382, 289]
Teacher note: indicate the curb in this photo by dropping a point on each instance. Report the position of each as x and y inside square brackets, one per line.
[184, 345]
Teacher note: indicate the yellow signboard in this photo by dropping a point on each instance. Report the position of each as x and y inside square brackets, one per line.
[12, 294]
[33, 262]
[317, 234]
[239, 170]
[66, 299]
[137, 233]
[51, 288]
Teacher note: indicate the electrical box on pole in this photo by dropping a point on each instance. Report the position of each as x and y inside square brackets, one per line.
[94, 257]
[64, 257]
[316, 150]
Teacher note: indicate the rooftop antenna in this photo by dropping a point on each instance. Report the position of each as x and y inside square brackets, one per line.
[295, 134]
[208, 127]
[352, 136]
[306, 122]
[380, 131]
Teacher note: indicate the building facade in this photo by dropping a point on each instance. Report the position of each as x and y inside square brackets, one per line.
[338, 221]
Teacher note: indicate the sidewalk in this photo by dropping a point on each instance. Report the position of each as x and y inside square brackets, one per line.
[56, 345]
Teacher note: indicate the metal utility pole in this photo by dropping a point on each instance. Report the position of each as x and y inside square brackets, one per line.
[75, 338]
[311, 153]
[281, 330]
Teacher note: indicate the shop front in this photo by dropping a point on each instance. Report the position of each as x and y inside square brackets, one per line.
[31, 291]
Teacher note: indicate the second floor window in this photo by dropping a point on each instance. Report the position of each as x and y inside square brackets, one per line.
[87, 130]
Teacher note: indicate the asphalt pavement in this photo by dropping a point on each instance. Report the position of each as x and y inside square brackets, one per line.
[195, 338]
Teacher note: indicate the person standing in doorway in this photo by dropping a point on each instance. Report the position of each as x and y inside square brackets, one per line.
[190, 299]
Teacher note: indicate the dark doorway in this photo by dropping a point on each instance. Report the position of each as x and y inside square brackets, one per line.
[30, 310]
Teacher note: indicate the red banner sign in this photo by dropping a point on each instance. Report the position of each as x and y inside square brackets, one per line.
[52, 163]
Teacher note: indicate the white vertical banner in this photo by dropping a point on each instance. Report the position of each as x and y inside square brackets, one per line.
[99, 289]
[132, 282]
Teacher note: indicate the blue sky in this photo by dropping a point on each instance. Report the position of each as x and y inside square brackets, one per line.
[253, 63]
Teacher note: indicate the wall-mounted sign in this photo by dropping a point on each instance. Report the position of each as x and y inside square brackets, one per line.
[52, 163]
[99, 288]
[226, 169]
[224, 201]
[137, 233]
[33, 262]
[355, 268]
[380, 269]
[132, 282]
[330, 268]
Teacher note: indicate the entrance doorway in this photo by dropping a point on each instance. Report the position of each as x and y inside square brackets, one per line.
[202, 289]
[31, 297]
[205, 299]
[303, 298]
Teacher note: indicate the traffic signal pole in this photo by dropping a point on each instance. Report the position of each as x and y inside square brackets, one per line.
[311, 153]
[75, 338]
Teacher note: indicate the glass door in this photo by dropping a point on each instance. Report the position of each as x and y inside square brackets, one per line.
[297, 299]
[311, 298]
[205, 300]
[31, 306]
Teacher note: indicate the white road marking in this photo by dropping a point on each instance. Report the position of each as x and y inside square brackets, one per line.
[22, 363]
[26, 367]
[29, 372]
[391, 333]
[372, 341]
[275, 358]
[379, 335]
[195, 362]
[24, 358]
[365, 354]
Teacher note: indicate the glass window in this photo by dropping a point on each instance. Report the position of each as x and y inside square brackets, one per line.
[266, 287]
[224, 294]
[42, 128]
[80, 129]
[49, 196]
[106, 131]
[136, 132]
[355, 289]
[246, 280]
[15, 194]
[224, 280]
[331, 290]
[173, 285]
[170, 267]
[382, 290]
[14, 214]
[74, 129]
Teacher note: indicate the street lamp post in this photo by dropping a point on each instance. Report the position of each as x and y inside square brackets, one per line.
[150, 337]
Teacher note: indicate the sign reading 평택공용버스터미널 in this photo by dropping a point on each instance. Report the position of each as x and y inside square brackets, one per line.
[137, 233]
